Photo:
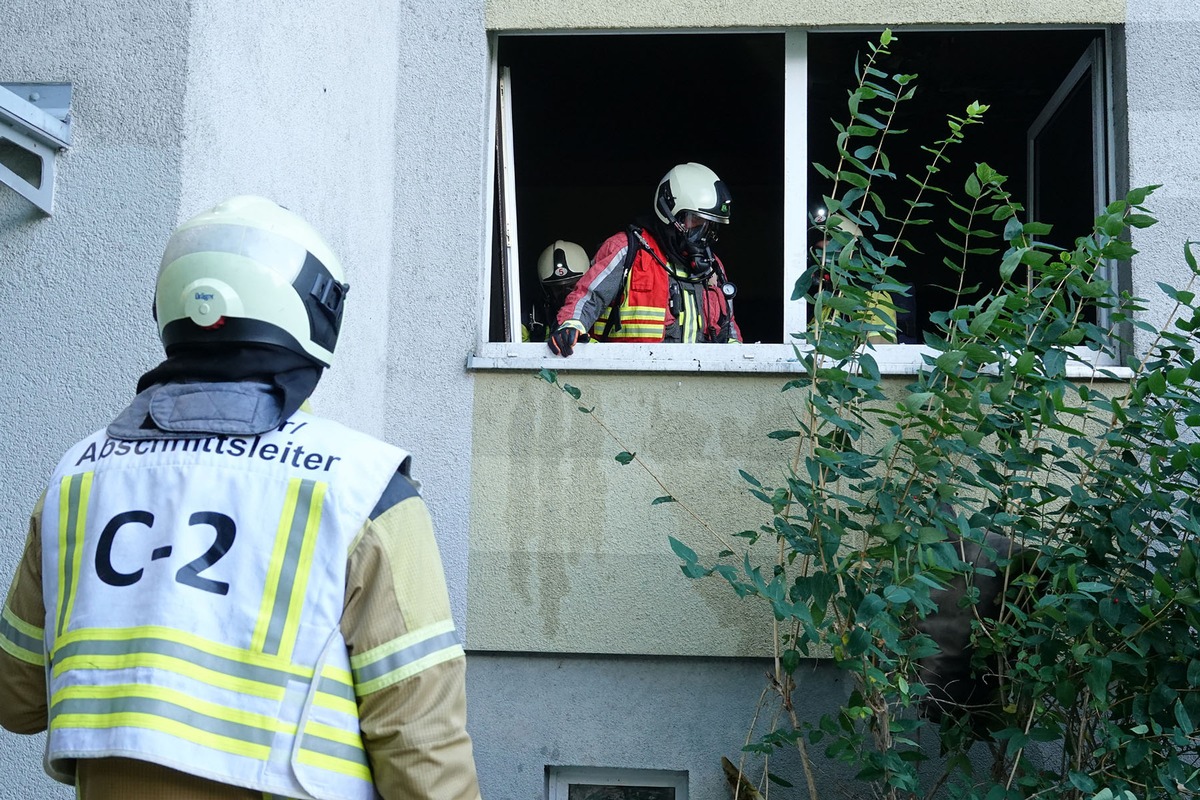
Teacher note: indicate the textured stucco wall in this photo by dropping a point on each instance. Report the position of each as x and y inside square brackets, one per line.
[550, 14]
[567, 552]
[1164, 142]
[296, 103]
[437, 219]
[74, 291]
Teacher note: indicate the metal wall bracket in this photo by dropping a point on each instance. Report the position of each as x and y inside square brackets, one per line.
[35, 126]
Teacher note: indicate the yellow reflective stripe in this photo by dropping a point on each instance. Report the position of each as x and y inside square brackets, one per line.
[343, 701]
[137, 719]
[334, 764]
[690, 321]
[303, 568]
[73, 493]
[184, 638]
[21, 625]
[179, 666]
[21, 640]
[339, 735]
[335, 703]
[337, 674]
[638, 332]
[412, 668]
[120, 691]
[278, 554]
[404, 642]
[647, 319]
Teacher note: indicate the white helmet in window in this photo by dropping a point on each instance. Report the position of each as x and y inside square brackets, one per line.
[693, 199]
[250, 271]
[562, 263]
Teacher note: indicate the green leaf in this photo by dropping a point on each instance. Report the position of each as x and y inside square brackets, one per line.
[682, 550]
[548, 375]
[750, 479]
[870, 607]
[623, 457]
[571, 390]
[666, 498]
[1082, 781]
[1055, 363]
[1097, 678]
[1184, 720]
[783, 435]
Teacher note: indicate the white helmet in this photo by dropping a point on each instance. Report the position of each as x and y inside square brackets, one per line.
[249, 270]
[691, 197]
[562, 263]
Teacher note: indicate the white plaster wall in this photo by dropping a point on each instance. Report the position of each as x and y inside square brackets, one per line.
[553, 14]
[1164, 143]
[437, 219]
[294, 101]
[76, 289]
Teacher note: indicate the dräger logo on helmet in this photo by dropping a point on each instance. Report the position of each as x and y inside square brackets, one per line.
[204, 296]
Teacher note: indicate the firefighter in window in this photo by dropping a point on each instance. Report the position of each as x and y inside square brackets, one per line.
[658, 281]
[559, 267]
[890, 312]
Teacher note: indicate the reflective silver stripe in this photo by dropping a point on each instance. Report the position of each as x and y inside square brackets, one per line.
[257, 244]
[338, 689]
[21, 640]
[68, 555]
[164, 710]
[402, 658]
[192, 655]
[328, 747]
[287, 574]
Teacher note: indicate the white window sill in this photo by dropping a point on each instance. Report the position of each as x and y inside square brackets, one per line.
[892, 359]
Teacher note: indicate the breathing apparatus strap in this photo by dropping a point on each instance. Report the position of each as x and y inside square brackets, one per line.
[634, 236]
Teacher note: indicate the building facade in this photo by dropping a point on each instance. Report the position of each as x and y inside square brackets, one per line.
[440, 146]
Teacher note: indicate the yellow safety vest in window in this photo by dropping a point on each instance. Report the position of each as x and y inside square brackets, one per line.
[194, 590]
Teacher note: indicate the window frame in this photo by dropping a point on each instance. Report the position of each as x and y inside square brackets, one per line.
[559, 779]
[757, 357]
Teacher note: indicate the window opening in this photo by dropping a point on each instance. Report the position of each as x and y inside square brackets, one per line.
[597, 120]
[602, 783]
[955, 68]
[588, 123]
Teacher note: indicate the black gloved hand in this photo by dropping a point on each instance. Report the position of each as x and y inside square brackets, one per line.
[562, 341]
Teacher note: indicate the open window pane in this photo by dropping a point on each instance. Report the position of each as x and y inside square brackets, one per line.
[597, 121]
[1016, 73]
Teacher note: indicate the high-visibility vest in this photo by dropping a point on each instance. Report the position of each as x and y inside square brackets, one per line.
[194, 590]
[644, 299]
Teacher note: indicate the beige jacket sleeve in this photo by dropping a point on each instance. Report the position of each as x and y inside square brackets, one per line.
[408, 664]
[22, 641]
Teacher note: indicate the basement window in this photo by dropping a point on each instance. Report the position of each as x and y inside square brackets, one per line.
[587, 124]
[597, 783]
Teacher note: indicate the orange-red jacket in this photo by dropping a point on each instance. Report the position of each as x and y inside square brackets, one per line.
[643, 297]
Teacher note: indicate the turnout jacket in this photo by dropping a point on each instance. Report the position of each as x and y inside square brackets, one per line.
[256, 616]
[653, 306]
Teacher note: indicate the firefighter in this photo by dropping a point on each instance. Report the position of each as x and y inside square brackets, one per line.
[658, 281]
[560, 266]
[229, 596]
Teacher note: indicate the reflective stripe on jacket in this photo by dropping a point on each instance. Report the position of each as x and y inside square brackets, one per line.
[193, 592]
[643, 296]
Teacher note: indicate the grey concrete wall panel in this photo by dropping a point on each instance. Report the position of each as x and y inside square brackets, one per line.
[659, 14]
[1164, 143]
[76, 289]
[440, 141]
[529, 712]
